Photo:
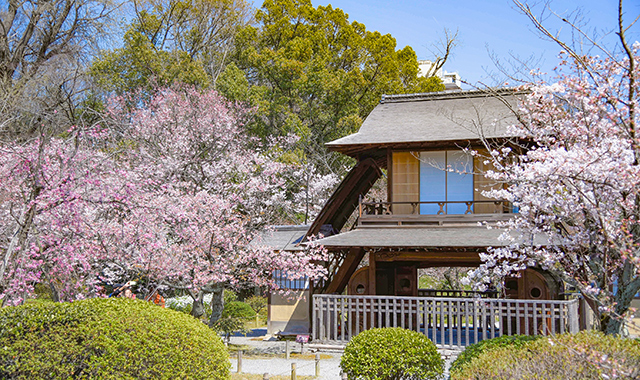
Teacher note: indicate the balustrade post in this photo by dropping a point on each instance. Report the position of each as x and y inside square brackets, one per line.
[314, 322]
[574, 325]
[468, 211]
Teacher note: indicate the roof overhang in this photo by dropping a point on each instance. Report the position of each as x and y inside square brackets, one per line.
[422, 238]
[380, 149]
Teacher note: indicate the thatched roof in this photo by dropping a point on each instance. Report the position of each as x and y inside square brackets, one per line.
[447, 116]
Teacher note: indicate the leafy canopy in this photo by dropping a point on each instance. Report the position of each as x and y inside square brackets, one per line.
[314, 73]
[171, 42]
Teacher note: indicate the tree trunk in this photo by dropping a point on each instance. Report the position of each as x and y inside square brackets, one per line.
[628, 287]
[25, 222]
[55, 295]
[197, 307]
[217, 304]
[610, 325]
[19, 236]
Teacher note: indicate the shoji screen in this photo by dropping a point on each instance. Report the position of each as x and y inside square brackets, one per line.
[405, 181]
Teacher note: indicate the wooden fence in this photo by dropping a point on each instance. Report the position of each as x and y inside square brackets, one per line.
[448, 322]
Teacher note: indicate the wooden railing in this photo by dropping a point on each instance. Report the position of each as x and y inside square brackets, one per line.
[387, 208]
[448, 322]
[454, 293]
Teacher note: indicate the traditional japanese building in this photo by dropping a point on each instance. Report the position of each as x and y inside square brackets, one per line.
[435, 215]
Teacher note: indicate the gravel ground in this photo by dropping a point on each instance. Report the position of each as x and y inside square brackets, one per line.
[329, 367]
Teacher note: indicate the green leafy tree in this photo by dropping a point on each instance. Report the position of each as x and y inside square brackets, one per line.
[233, 319]
[257, 303]
[314, 73]
[140, 64]
[172, 41]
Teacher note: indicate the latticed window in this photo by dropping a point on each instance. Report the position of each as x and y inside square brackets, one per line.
[450, 176]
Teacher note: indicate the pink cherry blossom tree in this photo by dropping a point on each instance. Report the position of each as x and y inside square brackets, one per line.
[212, 188]
[171, 190]
[55, 198]
[577, 181]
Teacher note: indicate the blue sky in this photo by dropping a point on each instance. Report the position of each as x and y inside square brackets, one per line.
[484, 27]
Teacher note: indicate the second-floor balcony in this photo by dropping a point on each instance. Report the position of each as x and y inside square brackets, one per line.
[433, 213]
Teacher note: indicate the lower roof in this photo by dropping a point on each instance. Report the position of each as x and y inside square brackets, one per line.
[431, 237]
[281, 238]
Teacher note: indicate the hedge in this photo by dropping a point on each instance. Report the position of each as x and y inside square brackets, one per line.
[111, 338]
[473, 351]
[585, 355]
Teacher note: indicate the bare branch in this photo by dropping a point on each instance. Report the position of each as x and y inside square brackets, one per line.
[442, 51]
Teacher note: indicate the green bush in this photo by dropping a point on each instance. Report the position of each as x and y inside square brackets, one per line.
[229, 296]
[111, 338]
[586, 355]
[475, 350]
[391, 354]
[234, 314]
[257, 303]
[237, 309]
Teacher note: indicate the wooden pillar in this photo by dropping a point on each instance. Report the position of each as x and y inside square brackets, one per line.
[372, 273]
[389, 175]
[312, 290]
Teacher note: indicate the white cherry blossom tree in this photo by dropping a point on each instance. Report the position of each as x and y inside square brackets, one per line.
[576, 182]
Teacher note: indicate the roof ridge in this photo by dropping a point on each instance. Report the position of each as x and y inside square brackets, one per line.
[451, 94]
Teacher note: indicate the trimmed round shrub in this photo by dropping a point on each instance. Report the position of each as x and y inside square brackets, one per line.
[586, 355]
[112, 338]
[391, 354]
[473, 351]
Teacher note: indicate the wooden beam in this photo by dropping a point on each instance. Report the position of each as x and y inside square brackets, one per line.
[434, 258]
[344, 200]
[389, 175]
[350, 264]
